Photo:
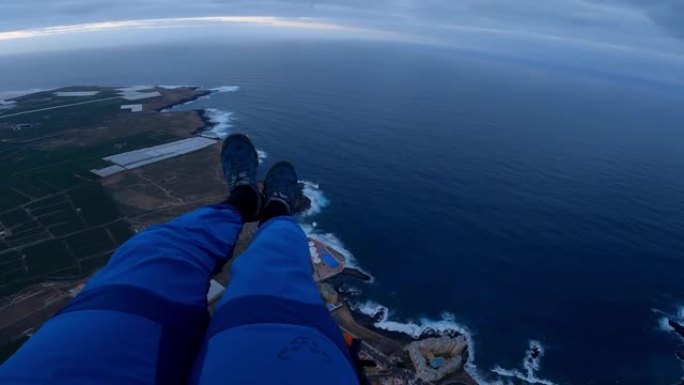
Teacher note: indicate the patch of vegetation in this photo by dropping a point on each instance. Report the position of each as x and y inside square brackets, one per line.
[56, 220]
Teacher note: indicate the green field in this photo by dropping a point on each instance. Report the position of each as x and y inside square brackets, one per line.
[56, 220]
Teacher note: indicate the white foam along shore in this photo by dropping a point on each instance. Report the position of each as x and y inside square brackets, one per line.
[225, 89]
[215, 90]
[318, 202]
[262, 155]
[219, 121]
[220, 124]
[663, 320]
[312, 231]
[175, 107]
[531, 366]
[447, 322]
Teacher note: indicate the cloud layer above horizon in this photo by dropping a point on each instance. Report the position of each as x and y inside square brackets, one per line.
[640, 25]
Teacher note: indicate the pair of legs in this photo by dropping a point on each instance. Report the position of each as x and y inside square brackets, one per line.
[143, 318]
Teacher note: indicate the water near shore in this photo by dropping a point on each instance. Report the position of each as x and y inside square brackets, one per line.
[531, 205]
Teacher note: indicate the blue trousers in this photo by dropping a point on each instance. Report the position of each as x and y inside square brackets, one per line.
[143, 318]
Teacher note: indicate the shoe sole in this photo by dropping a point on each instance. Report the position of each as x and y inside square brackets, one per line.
[280, 165]
[238, 137]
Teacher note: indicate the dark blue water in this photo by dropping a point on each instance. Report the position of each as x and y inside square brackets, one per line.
[532, 202]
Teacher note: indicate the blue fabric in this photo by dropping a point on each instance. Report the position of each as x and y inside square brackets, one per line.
[299, 349]
[272, 318]
[273, 354]
[141, 319]
[125, 327]
[176, 259]
[277, 263]
[275, 310]
[182, 326]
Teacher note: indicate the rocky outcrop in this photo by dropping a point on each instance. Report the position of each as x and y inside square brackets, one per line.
[435, 358]
[677, 327]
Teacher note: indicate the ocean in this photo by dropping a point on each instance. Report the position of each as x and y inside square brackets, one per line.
[523, 204]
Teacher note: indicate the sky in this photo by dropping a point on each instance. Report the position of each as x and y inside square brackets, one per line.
[646, 30]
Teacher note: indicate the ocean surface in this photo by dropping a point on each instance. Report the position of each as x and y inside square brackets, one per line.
[525, 204]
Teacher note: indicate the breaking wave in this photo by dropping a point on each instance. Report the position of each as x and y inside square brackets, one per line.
[312, 231]
[173, 87]
[262, 155]
[318, 202]
[220, 123]
[315, 194]
[531, 366]
[446, 324]
[225, 89]
[215, 90]
[663, 324]
[189, 102]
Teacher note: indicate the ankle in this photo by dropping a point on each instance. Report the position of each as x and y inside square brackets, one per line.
[245, 199]
[274, 208]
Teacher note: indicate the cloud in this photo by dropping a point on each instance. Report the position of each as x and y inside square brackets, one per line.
[170, 22]
[669, 14]
[614, 24]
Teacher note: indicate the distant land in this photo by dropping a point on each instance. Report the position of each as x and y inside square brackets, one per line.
[58, 219]
[85, 168]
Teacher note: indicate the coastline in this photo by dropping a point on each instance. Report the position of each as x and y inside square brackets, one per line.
[200, 94]
[202, 113]
[164, 198]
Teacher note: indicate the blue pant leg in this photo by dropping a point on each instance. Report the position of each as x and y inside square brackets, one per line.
[140, 320]
[271, 326]
[277, 263]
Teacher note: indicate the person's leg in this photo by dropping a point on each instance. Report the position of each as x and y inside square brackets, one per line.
[141, 319]
[271, 326]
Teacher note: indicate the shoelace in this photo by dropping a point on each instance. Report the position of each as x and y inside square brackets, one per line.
[240, 178]
[242, 163]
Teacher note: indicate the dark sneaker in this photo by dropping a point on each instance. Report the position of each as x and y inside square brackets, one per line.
[281, 185]
[240, 160]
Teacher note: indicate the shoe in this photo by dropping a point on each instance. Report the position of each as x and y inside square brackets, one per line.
[240, 160]
[281, 185]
